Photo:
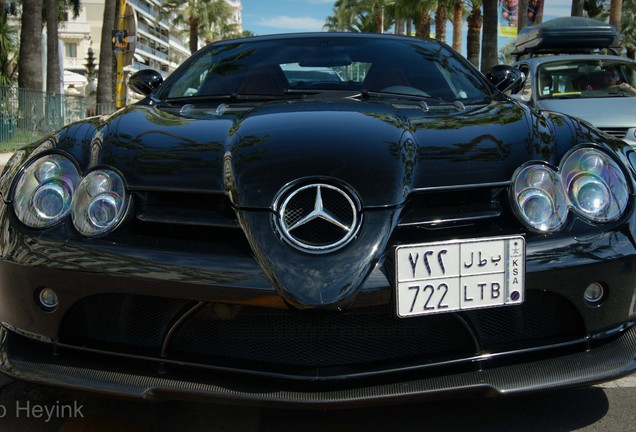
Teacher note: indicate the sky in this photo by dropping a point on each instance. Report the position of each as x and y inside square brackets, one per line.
[287, 16]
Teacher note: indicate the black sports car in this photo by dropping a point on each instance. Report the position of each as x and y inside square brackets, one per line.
[320, 219]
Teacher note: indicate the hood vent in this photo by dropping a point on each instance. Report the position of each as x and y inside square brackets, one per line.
[617, 132]
[457, 106]
[206, 112]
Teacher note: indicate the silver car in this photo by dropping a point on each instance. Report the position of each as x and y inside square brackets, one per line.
[600, 89]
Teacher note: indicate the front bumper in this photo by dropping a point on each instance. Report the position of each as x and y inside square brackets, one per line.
[552, 341]
[606, 362]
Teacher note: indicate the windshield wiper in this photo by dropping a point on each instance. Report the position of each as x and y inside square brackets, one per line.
[367, 94]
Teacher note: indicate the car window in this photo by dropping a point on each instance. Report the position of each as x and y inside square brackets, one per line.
[586, 79]
[281, 67]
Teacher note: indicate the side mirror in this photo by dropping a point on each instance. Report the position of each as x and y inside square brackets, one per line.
[145, 81]
[506, 77]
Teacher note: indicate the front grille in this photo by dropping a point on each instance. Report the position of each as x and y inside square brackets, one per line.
[179, 208]
[443, 208]
[310, 340]
[179, 220]
[275, 340]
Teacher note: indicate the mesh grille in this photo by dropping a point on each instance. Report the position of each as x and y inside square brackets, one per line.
[122, 322]
[272, 339]
[543, 318]
[319, 233]
[319, 340]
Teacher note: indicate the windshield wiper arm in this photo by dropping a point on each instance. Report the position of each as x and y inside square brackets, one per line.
[367, 94]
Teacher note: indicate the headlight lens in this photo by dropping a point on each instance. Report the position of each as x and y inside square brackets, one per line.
[99, 204]
[588, 181]
[595, 184]
[538, 198]
[44, 191]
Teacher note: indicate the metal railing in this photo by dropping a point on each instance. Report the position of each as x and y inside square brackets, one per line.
[26, 115]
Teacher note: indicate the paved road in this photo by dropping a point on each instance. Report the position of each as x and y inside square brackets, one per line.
[606, 408]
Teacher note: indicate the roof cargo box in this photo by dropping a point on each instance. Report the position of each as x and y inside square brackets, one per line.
[567, 34]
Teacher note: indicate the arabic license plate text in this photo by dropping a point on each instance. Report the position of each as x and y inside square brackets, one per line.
[458, 275]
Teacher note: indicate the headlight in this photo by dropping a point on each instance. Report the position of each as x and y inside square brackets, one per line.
[595, 184]
[99, 204]
[588, 181]
[538, 198]
[44, 191]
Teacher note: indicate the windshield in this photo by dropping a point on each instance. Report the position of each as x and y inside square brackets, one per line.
[292, 66]
[586, 79]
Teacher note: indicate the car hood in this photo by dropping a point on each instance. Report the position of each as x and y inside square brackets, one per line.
[382, 151]
[616, 112]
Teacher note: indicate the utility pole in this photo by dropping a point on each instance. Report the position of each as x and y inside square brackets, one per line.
[122, 40]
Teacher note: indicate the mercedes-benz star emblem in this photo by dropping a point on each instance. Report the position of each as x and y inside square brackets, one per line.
[318, 217]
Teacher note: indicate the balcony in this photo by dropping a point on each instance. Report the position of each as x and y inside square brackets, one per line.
[74, 29]
[74, 62]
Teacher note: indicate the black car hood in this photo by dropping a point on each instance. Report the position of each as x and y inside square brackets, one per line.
[382, 151]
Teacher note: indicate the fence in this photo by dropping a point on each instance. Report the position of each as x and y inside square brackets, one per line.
[26, 116]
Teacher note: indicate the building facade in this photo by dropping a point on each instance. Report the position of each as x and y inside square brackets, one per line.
[157, 45]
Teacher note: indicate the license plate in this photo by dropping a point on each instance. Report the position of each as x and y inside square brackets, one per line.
[459, 275]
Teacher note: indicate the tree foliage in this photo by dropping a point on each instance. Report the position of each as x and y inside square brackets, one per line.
[203, 19]
[8, 51]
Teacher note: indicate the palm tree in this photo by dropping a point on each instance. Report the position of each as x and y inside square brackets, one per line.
[419, 12]
[8, 49]
[221, 30]
[30, 57]
[458, 18]
[198, 15]
[403, 15]
[377, 9]
[505, 54]
[359, 15]
[106, 54]
[55, 10]
[343, 16]
[616, 9]
[441, 16]
[53, 74]
[489, 35]
[475, 20]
